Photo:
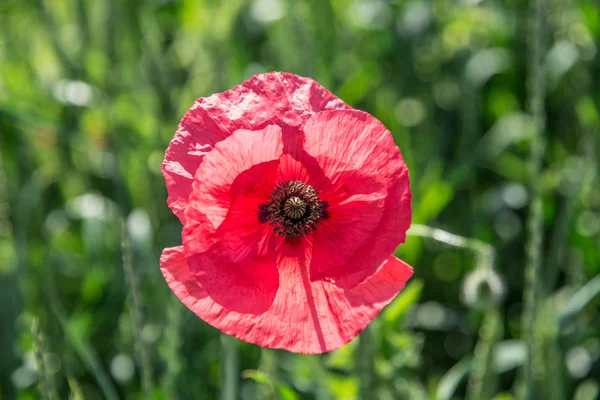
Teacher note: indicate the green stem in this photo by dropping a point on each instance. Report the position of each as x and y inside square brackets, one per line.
[365, 362]
[85, 351]
[547, 332]
[268, 364]
[230, 367]
[485, 252]
[579, 300]
[142, 350]
[533, 275]
[172, 345]
[482, 380]
[45, 383]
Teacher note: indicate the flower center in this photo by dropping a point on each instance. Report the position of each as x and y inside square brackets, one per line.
[294, 209]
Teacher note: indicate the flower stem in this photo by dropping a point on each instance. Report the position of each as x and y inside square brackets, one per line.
[230, 368]
[533, 276]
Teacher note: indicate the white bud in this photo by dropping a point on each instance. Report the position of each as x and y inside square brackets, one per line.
[483, 288]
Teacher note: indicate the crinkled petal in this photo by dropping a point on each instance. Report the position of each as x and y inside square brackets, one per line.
[370, 199]
[311, 294]
[384, 240]
[305, 316]
[182, 159]
[349, 223]
[239, 268]
[274, 98]
[247, 285]
[230, 251]
[243, 166]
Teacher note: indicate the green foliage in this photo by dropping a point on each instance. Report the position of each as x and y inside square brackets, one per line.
[91, 93]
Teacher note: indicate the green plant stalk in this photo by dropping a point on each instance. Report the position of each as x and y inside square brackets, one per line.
[268, 364]
[10, 293]
[172, 359]
[450, 381]
[85, 351]
[142, 350]
[482, 380]
[230, 368]
[579, 300]
[80, 345]
[51, 24]
[568, 203]
[45, 386]
[365, 362]
[486, 253]
[556, 252]
[462, 172]
[533, 250]
[547, 332]
[76, 393]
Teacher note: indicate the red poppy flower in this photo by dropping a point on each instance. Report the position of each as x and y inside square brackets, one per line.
[292, 204]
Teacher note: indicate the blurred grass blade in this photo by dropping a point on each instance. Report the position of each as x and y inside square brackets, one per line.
[579, 300]
[230, 368]
[533, 249]
[482, 381]
[268, 365]
[270, 388]
[172, 347]
[87, 354]
[547, 335]
[142, 350]
[393, 313]
[45, 383]
[287, 393]
[365, 362]
[509, 354]
[258, 376]
[452, 379]
[485, 252]
[76, 393]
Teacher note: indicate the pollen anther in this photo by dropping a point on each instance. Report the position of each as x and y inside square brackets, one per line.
[294, 209]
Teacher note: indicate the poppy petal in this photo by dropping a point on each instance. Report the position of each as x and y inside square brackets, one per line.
[348, 223]
[228, 170]
[230, 251]
[386, 237]
[273, 98]
[241, 167]
[371, 198]
[238, 270]
[182, 158]
[332, 317]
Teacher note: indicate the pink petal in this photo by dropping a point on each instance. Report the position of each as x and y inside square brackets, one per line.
[181, 161]
[243, 165]
[274, 98]
[229, 251]
[304, 317]
[370, 200]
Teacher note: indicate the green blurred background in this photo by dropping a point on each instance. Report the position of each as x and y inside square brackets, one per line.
[91, 93]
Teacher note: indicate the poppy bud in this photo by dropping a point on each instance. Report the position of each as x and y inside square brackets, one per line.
[483, 288]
